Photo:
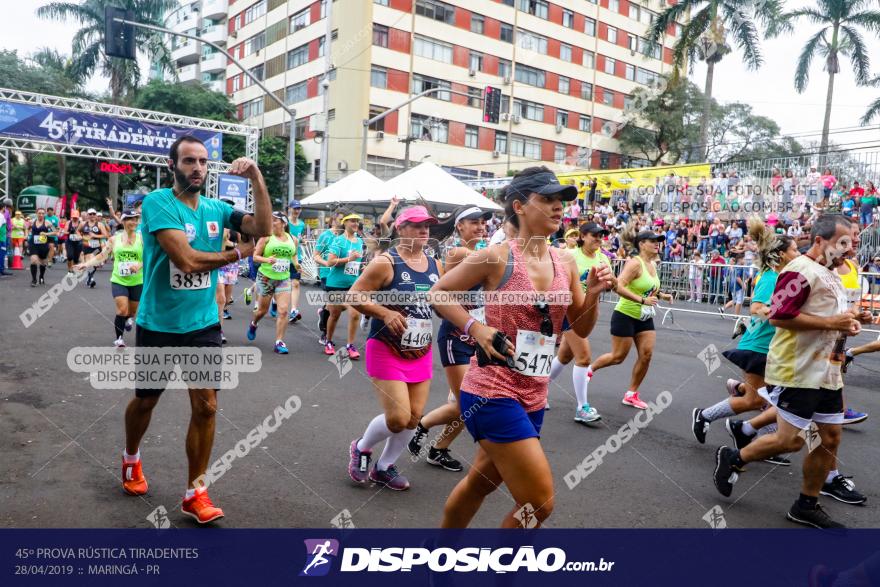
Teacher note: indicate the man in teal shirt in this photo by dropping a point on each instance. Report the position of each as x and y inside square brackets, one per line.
[53, 240]
[183, 248]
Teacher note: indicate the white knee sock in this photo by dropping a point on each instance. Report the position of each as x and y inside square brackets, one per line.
[377, 431]
[556, 368]
[393, 448]
[581, 376]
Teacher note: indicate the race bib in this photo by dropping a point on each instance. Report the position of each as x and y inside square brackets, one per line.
[41, 239]
[353, 268]
[76, 237]
[534, 353]
[853, 295]
[281, 266]
[188, 281]
[417, 334]
[94, 243]
[478, 314]
[126, 268]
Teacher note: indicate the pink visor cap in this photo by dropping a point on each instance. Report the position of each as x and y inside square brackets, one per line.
[414, 214]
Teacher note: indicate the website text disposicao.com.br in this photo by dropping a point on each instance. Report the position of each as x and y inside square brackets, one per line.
[468, 559]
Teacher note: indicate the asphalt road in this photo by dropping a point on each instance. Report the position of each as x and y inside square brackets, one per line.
[62, 439]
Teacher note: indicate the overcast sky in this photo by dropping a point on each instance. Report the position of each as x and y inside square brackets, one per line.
[770, 90]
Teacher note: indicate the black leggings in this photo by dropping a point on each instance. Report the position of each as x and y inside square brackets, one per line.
[73, 250]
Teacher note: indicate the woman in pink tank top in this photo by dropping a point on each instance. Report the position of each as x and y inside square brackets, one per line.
[529, 289]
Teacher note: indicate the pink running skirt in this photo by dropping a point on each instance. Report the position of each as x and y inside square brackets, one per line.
[383, 364]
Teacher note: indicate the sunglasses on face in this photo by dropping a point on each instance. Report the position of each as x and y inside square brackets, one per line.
[546, 323]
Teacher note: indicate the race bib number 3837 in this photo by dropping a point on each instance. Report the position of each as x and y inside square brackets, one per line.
[188, 281]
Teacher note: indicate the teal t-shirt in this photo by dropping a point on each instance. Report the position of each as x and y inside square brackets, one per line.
[345, 275]
[322, 245]
[297, 230]
[173, 301]
[760, 332]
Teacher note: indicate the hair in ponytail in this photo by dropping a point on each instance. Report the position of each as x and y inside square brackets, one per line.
[628, 236]
[771, 246]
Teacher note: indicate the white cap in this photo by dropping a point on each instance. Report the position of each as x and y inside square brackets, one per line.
[91, 211]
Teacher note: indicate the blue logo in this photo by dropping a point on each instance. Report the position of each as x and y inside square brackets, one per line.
[319, 554]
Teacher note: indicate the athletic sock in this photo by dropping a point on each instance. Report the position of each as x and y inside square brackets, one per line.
[92, 273]
[589, 378]
[131, 458]
[189, 493]
[556, 368]
[42, 271]
[748, 429]
[33, 272]
[580, 377]
[808, 502]
[720, 410]
[377, 431]
[394, 447]
[119, 325]
[831, 475]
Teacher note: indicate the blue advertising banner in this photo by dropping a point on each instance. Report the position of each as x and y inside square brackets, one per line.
[321, 556]
[72, 127]
[234, 188]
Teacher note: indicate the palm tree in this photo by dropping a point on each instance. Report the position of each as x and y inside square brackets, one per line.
[874, 107]
[705, 36]
[839, 37]
[88, 45]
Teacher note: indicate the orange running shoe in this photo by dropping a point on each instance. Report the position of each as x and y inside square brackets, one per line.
[133, 480]
[200, 508]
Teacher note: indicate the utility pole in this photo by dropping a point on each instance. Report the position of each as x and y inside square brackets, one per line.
[409, 139]
[325, 86]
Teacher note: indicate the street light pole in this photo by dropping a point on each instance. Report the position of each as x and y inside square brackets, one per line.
[291, 164]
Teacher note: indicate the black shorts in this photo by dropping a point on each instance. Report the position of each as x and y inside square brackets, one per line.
[800, 405]
[204, 338]
[749, 361]
[41, 251]
[336, 295]
[90, 250]
[132, 292]
[627, 327]
[454, 351]
[74, 250]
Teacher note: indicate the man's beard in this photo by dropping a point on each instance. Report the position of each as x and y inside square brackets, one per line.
[181, 179]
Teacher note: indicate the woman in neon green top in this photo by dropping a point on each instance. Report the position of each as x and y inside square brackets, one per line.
[638, 286]
[127, 279]
[587, 255]
[276, 254]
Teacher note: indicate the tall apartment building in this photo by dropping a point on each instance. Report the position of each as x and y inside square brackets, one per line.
[197, 62]
[565, 68]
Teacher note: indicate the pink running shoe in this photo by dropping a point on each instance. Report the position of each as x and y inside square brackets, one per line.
[631, 398]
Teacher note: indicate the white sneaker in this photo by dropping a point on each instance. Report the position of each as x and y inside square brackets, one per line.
[119, 343]
[586, 414]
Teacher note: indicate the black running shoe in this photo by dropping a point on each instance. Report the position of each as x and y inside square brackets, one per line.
[740, 438]
[440, 457]
[816, 518]
[699, 425]
[33, 284]
[842, 489]
[418, 439]
[726, 473]
[778, 460]
[847, 360]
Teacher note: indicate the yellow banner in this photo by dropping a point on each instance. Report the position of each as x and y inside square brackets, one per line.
[638, 177]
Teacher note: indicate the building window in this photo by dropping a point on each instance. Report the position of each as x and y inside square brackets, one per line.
[532, 42]
[644, 76]
[586, 91]
[559, 154]
[427, 128]
[254, 12]
[300, 128]
[475, 97]
[504, 68]
[422, 83]
[525, 147]
[630, 72]
[236, 84]
[296, 92]
[379, 124]
[649, 49]
[607, 97]
[590, 27]
[500, 141]
[255, 43]
[564, 85]
[259, 71]
[565, 52]
[627, 103]
[381, 2]
[323, 9]
[561, 118]
[614, 5]
[537, 7]
[589, 60]
[612, 35]
[300, 20]
[297, 57]
[476, 61]
[436, 10]
[529, 110]
[478, 24]
[584, 123]
[531, 76]
[609, 65]
[380, 35]
[604, 160]
[632, 41]
[471, 136]
[252, 108]
[506, 32]
[425, 47]
[321, 46]
[316, 166]
[641, 14]
[567, 18]
[379, 77]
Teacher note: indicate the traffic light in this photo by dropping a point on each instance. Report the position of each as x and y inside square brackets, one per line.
[491, 105]
[118, 37]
